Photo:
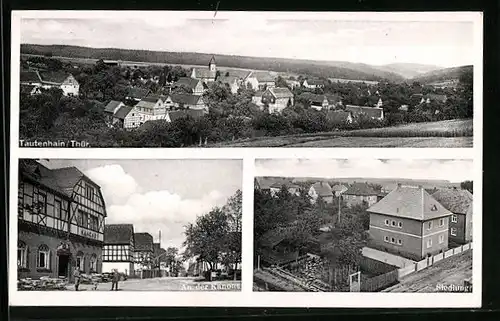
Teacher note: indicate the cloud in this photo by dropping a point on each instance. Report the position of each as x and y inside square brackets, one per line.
[452, 170]
[115, 183]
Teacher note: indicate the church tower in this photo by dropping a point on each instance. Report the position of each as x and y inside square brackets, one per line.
[211, 64]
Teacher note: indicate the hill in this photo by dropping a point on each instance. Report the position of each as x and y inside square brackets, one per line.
[409, 70]
[428, 183]
[327, 69]
[443, 74]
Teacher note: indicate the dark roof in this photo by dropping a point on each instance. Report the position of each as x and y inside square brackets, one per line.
[279, 92]
[110, 107]
[137, 93]
[186, 99]
[338, 115]
[313, 98]
[339, 188]
[227, 79]
[286, 184]
[212, 60]
[123, 112]
[194, 113]
[316, 82]
[151, 98]
[118, 233]
[410, 202]
[189, 82]
[333, 98]
[369, 111]
[361, 189]
[263, 76]
[67, 178]
[458, 201]
[322, 189]
[55, 77]
[204, 73]
[267, 182]
[275, 236]
[143, 242]
[30, 76]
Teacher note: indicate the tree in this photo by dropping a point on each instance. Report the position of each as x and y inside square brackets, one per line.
[233, 210]
[467, 185]
[227, 74]
[206, 238]
[171, 257]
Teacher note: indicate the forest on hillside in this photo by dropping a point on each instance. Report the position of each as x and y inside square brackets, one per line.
[314, 68]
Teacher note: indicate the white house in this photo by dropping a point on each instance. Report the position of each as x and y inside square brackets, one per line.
[277, 99]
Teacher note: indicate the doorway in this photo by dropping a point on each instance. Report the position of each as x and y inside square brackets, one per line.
[63, 265]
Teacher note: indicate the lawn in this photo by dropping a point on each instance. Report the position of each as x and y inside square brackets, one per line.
[449, 133]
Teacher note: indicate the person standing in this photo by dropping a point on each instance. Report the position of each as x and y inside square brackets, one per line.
[114, 280]
[76, 275]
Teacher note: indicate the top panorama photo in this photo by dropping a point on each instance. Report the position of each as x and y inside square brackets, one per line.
[192, 79]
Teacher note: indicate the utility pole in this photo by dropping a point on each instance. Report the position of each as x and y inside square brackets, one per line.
[339, 209]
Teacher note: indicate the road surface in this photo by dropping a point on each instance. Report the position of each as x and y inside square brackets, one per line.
[447, 275]
[166, 284]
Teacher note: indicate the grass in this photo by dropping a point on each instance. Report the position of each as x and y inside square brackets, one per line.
[450, 133]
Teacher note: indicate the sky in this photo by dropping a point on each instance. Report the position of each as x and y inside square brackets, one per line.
[156, 195]
[451, 170]
[440, 43]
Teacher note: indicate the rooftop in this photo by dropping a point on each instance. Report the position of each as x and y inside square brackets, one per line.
[458, 201]
[118, 233]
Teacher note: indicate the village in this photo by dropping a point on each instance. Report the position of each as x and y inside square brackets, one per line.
[62, 228]
[143, 100]
[362, 236]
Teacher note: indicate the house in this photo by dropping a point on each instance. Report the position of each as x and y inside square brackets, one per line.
[111, 108]
[231, 81]
[259, 80]
[188, 101]
[313, 83]
[334, 100]
[182, 113]
[339, 117]
[290, 187]
[160, 260]
[321, 190]
[293, 83]
[433, 97]
[339, 189]
[372, 112]
[359, 193]
[315, 101]
[136, 94]
[30, 78]
[409, 222]
[275, 248]
[66, 82]
[195, 86]
[151, 107]
[126, 117]
[61, 217]
[30, 89]
[277, 99]
[143, 252]
[206, 75]
[257, 98]
[118, 252]
[459, 203]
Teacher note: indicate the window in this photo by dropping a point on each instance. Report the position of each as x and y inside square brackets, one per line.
[80, 261]
[43, 257]
[441, 222]
[441, 239]
[393, 223]
[429, 225]
[93, 263]
[89, 192]
[454, 218]
[400, 224]
[453, 231]
[429, 243]
[57, 208]
[387, 222]
[42, 203]
[393, 240]
[22, 255]
[400, 242]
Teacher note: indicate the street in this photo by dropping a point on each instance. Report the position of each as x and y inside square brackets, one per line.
[165, 284]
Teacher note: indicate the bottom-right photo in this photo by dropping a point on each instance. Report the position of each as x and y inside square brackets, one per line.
[363, 225]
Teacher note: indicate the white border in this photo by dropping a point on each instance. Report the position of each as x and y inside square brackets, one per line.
[247, 298]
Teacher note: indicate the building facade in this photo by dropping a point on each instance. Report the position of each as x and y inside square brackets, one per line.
[143, 252]
[277, 99]
[409, 222]
[118, 250]
[459, 202]
[321, 190]
[206, 75]
[360, 193]
[61, 215]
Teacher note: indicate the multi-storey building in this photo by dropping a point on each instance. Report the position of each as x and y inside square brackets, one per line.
[118, 251]
[61, 214]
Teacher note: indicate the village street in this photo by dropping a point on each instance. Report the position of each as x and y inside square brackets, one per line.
[165, 284]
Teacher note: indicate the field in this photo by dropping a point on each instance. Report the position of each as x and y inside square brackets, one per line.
[449, 133]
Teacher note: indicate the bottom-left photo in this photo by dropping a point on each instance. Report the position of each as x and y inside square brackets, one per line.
[129, 225]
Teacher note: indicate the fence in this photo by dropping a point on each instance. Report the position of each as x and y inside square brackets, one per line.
[380, 282]
[431, 260]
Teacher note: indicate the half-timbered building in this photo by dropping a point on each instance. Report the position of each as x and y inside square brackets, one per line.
[61, 215]
[118, 251]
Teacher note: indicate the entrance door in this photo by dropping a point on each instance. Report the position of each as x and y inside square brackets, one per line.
[63, 265]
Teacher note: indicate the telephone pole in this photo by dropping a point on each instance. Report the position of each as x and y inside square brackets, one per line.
[339, 210]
